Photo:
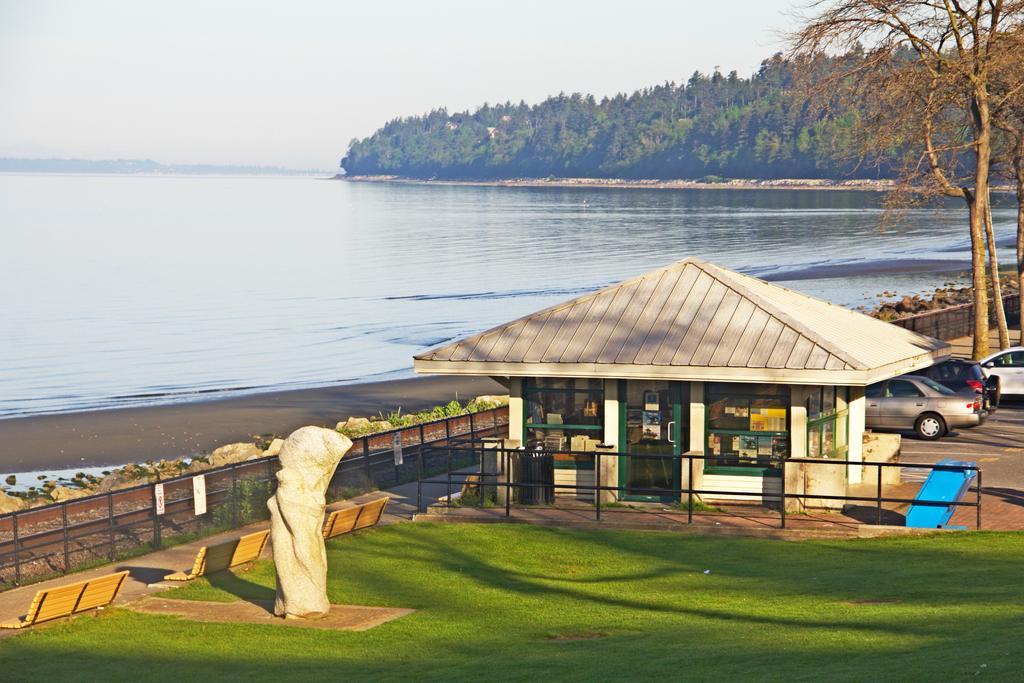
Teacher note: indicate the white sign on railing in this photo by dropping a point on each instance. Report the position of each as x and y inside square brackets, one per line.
[158, 495]
[397, 444]
[199, 494]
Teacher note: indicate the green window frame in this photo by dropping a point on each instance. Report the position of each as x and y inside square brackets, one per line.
[535, 390]
[828, 412]
[743, 397]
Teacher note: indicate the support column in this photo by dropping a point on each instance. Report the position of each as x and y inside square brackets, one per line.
[515, 410]
[515, 435]
[796, 479]
[697, 438]
[610, 463]
[856, 434]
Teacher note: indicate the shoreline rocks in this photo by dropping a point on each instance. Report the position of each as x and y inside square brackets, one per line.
[232, 453]
[943, 297]
[50, 491]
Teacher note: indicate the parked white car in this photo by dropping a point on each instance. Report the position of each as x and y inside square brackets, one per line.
[1008, 366]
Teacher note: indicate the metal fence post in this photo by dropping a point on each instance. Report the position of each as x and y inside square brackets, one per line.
[782, 496]
[597, 480]
[977, 521]
[157, 541]
[366, 459]
[110, 528]
[480, 480]
[508, 482]
[449, 468]
[234, 496]
[878, 494]
[420, 450]
[64, 519]
[17, 551]
[689, 489]
[401, 435]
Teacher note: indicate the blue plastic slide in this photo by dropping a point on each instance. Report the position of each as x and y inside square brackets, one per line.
[948, 481]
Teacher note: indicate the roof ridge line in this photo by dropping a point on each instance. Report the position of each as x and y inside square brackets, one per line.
[726, 276]
[567, 304]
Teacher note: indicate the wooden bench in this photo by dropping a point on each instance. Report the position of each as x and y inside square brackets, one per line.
[73, 598]
[354, 518]
[222, 556]
[471, 485]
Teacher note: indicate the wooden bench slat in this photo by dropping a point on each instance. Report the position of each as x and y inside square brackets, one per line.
[218, 557]
[73, 598]
[354, 518]
[341, 522]
[101, 591]
[225, 555]
[371, 513]
[250, 547]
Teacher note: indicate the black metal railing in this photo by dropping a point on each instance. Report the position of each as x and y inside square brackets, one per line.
[62, 537]
[497, 478]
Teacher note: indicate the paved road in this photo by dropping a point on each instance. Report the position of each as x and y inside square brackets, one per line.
[997, 445]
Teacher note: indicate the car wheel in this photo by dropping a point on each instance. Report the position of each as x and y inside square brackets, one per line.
[930, 427]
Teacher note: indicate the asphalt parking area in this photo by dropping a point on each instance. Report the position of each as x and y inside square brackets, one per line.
[997, 446]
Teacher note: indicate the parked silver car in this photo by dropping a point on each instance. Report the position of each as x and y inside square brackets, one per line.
[912, 402]
[1008, 366]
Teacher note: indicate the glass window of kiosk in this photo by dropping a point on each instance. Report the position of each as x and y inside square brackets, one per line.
[747, 427]
[557, 410]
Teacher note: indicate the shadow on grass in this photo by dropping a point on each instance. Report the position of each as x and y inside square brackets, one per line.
[241, 587]
[868, 514]
[491, 597]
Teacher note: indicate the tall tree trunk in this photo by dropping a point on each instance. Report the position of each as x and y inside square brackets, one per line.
[979, 328]
[978, 201]
[1018, 167]
[997, 287]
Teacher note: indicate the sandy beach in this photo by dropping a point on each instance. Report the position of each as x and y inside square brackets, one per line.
[119, 436]
[641, 183]
[863, 185]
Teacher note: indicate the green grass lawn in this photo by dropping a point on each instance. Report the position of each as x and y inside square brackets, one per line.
[500, 602]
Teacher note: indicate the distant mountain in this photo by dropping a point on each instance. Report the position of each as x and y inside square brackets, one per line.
[139, 166]
[709, 127]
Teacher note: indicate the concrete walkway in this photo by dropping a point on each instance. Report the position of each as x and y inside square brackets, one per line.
[147, 571]
[963, 345]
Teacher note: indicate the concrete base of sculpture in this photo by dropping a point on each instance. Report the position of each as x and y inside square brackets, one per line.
[341, 617]
[308, 457]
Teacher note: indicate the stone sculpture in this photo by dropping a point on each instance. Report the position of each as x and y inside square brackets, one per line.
[309, 457]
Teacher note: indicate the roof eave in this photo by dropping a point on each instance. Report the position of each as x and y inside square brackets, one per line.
[682, 373]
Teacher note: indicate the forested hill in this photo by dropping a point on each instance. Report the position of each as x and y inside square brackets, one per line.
[718, 125]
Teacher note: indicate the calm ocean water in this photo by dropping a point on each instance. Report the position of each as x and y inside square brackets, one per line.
[132, 290]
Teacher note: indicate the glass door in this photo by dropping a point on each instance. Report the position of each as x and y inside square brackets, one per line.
[652, 431]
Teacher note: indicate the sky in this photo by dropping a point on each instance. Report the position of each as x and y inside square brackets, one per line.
[291, 83]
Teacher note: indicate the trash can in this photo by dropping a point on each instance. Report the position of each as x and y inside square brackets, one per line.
[536, 468]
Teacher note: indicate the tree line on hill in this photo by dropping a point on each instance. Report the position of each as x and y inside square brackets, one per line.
[710, 126]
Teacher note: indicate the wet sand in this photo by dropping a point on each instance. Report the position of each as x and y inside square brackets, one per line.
[119, 436]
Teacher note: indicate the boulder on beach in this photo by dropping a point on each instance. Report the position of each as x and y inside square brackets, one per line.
[124, 478]
[231, 453]
[62, 493]
[273, 449]
[494, 399]
[10, 503]
[353, 424]
[196, 466]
